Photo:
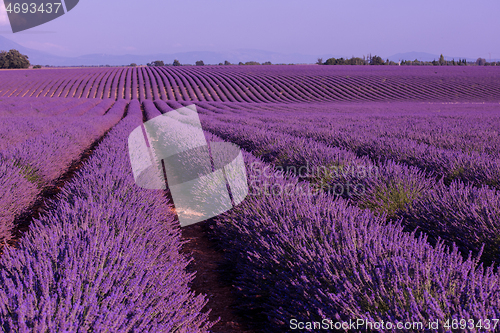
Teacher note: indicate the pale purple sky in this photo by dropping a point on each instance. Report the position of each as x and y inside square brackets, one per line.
[354, 27]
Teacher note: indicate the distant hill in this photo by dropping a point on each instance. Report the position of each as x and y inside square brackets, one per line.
[244, 55]
[35, 57]
[43, 58]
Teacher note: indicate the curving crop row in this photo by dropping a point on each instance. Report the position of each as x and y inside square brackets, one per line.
[34, 163]
[23, 127]
[375, 141]
[468, 127]
[310, 257]
[260, 84]
[165, 87]
[27, 105]
[104, 258]
[128, 86]
[92, 86]
[386, 187]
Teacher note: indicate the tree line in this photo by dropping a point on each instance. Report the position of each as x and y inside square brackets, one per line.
[202, 63]
[368, 60]
[14, 59]
[377, 60]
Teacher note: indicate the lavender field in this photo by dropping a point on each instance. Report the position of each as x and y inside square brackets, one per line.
[374, 195]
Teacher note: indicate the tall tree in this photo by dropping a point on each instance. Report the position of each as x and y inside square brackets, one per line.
[441, 60]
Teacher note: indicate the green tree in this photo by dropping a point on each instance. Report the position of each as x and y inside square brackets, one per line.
[331, 61]
[441, 60]
[200, 63]
[13, 59]
[133, 64]
[156, 63]
[320, 61]
[176, 63]
[339, 61]
[355, 61]
[376, 60]
[226, 63]
[481, 61]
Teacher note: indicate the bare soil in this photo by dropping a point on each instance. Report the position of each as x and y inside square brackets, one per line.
[212, 280]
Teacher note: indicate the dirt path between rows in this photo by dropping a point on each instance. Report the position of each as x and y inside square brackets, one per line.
[211, 280]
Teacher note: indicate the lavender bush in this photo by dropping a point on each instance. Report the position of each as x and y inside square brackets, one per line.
[386, 137]
[463, 214]
[392, 188]
[105, 257]
[36, 162]
[313, 257]
[421, 154]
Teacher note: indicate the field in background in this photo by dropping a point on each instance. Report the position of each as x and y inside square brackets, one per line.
[259, 84]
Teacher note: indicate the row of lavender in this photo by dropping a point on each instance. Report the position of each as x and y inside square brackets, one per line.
[276, 220]
[257, 84]
[366, 135]
[313, 258]
[34, 107]
[307, 255]
[36, 150]
[459, 213]
[105, 257]
[467, 127]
